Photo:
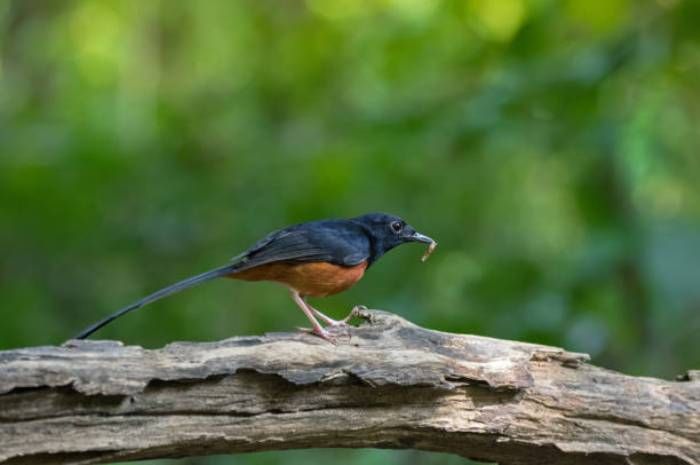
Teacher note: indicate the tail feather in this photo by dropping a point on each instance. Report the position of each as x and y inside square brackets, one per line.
[172, 289]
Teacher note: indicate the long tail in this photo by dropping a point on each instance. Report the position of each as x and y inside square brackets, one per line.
[172, 289]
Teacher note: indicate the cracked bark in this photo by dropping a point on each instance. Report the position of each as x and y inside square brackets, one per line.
[391, 384]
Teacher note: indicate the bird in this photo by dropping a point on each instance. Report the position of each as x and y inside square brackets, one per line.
[312, 259]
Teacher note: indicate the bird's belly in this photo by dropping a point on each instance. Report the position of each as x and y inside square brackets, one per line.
[315, 279]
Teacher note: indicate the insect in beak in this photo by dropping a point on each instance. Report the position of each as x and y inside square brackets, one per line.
[418, 237]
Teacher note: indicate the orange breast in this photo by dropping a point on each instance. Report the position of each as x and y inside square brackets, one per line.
[315, 279]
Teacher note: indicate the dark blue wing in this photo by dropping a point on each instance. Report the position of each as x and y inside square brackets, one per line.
[337, 241]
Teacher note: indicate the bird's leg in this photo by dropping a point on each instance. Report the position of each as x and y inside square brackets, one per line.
[317, 329]
[337, 325]
[331, 322]
[326, 319]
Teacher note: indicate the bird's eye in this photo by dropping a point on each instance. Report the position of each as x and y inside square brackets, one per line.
[396, 226]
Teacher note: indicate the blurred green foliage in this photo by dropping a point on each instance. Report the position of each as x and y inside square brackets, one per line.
[550, 146]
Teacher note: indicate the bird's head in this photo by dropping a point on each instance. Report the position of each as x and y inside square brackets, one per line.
[387, 231]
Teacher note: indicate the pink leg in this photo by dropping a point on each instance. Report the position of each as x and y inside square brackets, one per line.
[330, 321]
[317, 328]
[325, 318]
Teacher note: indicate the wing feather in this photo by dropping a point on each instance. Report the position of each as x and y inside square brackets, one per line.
[312, 242]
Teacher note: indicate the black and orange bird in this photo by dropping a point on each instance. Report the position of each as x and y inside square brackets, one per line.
[313, 259]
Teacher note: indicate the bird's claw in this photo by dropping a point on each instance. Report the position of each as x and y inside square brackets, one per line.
[333, 327]
[322, 333]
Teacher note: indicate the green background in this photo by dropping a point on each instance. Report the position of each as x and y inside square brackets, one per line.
[551, 147]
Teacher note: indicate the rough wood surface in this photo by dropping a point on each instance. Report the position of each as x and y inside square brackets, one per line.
[390, 384]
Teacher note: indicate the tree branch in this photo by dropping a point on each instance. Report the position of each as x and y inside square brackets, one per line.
[390, 384]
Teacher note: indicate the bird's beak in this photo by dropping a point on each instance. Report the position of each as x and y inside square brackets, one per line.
[418, 237]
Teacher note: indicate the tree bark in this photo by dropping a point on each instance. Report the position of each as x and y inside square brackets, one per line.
[386, 384]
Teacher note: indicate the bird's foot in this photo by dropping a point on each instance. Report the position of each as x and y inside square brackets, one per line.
[334, 328]
[322, 333]
[339, 323]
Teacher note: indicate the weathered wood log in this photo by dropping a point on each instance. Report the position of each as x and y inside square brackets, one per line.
[388, 384]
